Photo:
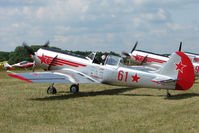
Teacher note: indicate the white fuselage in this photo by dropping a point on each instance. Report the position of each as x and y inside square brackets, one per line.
[157, 60]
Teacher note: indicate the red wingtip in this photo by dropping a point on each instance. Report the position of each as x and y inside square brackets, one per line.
[186, 76]
[19, 77]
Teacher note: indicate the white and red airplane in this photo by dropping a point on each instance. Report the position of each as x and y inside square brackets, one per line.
[22, 64]
[64, 67]
[155, 61]
[193, 56]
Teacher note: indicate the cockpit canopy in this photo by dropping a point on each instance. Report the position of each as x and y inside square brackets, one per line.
[113, 60]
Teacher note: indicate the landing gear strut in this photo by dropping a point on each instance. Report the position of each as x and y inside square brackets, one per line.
[168, 94]
[74, 88]
[51, 89]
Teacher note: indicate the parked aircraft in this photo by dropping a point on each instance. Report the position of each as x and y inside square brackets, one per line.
[64, 67]
[155, 61]
[1, 65]
[22, 64]
[193, 56]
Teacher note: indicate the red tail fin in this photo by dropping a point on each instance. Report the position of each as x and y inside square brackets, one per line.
[186, 75]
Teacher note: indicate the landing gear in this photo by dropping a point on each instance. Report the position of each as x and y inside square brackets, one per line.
[74, 88]
[51, 90]
[168, 94]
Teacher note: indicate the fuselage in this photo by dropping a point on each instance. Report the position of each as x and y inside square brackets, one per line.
[23, 64]
[158, 60]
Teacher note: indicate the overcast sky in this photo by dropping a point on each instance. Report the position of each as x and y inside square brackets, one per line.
[101, 25]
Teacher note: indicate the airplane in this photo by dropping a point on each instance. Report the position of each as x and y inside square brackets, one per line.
[1, 65]
[193, 56]
[65, 67]
[22, 64]
[155, 61]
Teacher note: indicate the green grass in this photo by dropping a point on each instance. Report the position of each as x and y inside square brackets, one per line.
[25, 107]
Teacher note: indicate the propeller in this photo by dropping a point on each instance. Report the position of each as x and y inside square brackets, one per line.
[53, 60]
[34, 66]
[144, 60]
[28, 49]
[46, 44]
[127, 54]
[31, 52]
[134, 46]
[180, 47]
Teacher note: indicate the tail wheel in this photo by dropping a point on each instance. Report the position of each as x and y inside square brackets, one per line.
[74, 88]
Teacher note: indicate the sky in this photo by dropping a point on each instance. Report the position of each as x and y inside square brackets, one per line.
[101, 25]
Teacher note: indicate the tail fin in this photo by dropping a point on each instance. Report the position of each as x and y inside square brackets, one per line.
[7, 66]
[179, 67]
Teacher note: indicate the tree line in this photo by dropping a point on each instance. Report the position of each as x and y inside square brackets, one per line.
[20, 54]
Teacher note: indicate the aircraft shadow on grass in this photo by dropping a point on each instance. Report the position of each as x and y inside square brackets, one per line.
[84, 94]
[172, 97]
[183, 96]
[117, 91]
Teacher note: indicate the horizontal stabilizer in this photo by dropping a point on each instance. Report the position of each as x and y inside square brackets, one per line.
[165, 81]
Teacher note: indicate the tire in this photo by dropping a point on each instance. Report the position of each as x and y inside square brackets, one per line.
[74, 88]
[51, 90]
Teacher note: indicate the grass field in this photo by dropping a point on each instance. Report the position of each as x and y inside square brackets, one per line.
[25, 107]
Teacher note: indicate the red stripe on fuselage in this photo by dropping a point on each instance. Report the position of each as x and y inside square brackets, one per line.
[19, 77]
[140, 58]
[59, 61]
[30, 65]
[61, 64]
[149, 59]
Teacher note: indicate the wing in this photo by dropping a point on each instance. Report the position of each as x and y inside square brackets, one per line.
[58, 76]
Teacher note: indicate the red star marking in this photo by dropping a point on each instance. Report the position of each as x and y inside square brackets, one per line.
[136, 57]
[42, 59]
[45, 59]
[180, 67]
[135, 78]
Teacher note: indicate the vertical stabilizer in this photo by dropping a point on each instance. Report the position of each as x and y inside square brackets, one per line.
[179, 67]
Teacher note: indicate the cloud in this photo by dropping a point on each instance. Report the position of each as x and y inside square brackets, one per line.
[104, 25]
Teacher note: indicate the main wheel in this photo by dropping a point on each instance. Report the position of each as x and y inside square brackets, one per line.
[51, 90]
[74, 88]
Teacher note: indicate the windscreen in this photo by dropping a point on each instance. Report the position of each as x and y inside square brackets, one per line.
[113, 60]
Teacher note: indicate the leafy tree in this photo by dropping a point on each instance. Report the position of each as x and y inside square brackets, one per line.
[18, 55]
[4, 56]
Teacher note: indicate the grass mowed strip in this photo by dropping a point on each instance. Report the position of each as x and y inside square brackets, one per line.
[25, 107]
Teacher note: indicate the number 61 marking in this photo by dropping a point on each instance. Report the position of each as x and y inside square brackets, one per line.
[121, 75]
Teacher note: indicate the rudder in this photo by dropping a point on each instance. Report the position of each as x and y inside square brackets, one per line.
[179, 67]
[186, 76]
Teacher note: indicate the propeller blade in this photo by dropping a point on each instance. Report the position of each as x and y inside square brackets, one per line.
[144, 60]
[34, 66]
[46, 44]
[28, 48]
[52, 62]
[180, 47]
[126, 54]
[134, 47]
